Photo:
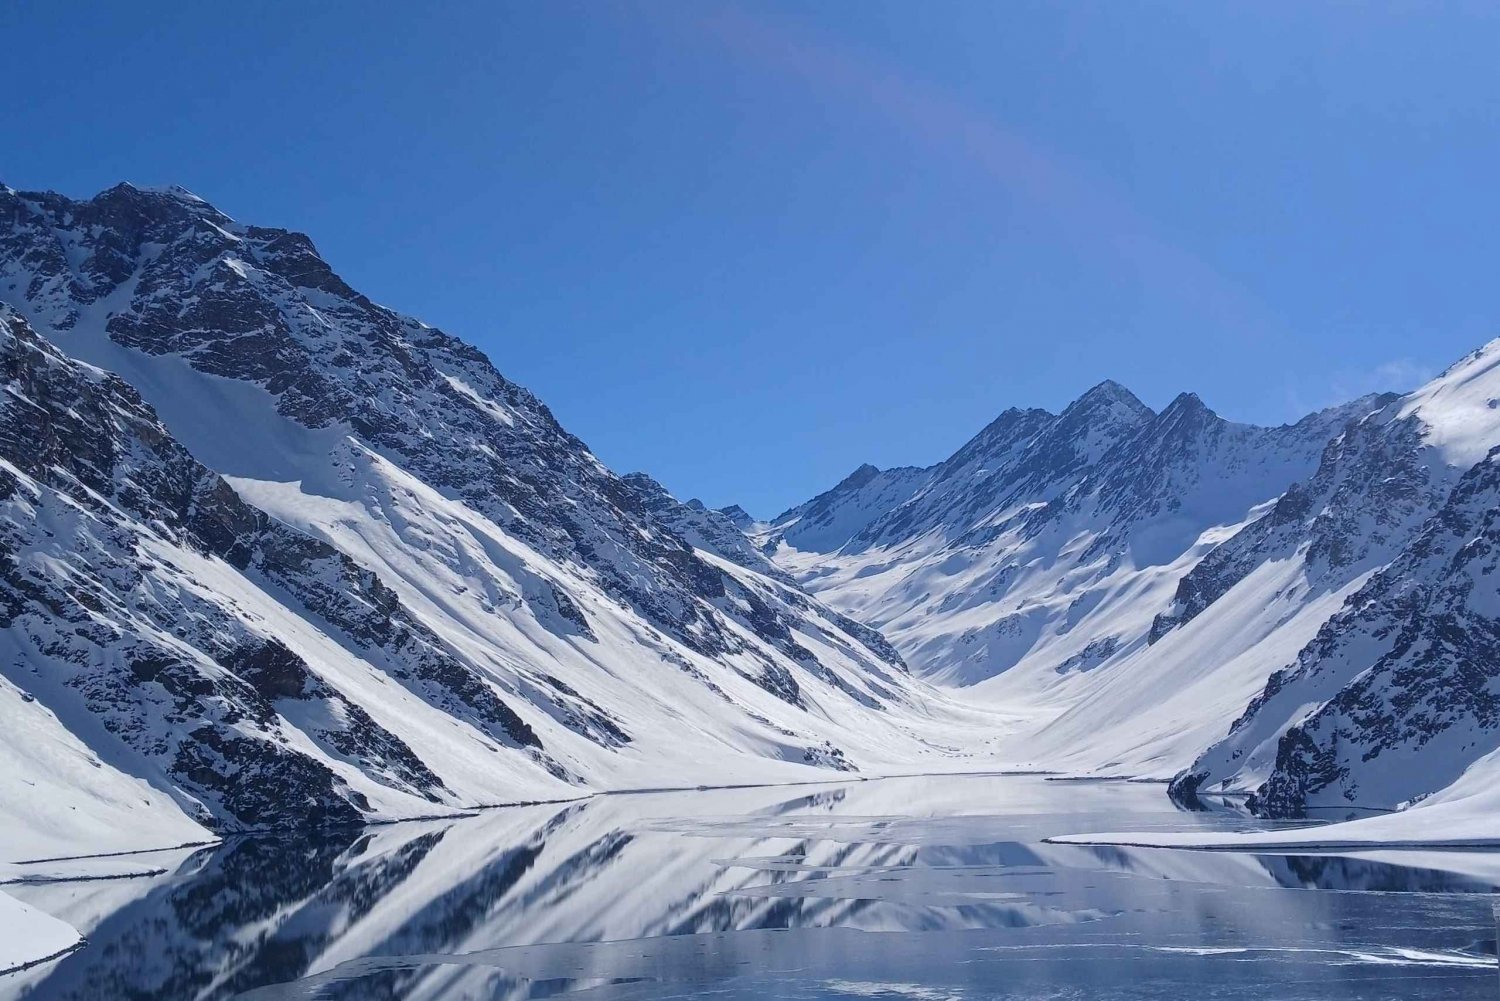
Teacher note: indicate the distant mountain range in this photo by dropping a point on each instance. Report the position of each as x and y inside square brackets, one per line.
[1303, 614]
[272, 555]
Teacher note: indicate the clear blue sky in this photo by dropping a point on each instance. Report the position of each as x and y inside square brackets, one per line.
[748, 247]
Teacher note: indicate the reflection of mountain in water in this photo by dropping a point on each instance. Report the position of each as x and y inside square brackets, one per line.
[1335, 872]
[265, 910]
[696, 886]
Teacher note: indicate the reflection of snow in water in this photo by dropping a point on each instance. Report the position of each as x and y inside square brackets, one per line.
[867, 889]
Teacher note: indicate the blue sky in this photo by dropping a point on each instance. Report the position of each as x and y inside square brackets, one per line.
[747, 247]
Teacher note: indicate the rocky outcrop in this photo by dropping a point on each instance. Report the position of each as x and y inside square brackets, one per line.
[1398, 693]
[306, 560]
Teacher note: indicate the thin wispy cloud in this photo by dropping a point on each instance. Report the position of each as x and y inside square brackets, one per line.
[1397, 375]
[1314, 391]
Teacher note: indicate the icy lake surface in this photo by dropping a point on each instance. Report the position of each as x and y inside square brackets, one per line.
[926, 888]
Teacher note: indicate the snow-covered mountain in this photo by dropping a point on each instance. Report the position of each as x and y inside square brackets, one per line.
[1005, 556]
[273, 554]
[1139, 585]
[830, 519]
[302, 559]
[1397, 693]
[132, 616]
[1040, 566]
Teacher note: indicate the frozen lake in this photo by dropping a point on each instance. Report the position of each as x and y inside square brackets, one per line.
[928, 888]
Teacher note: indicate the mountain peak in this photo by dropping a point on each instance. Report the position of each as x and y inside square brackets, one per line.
[176, 191]
[1110, 389]
[738, 515]
[1187, 404]
[864, 474]
[644, 481]
[148, 202]
[604, 614]
[1013, 421]
[172, 192]
[1112, 397]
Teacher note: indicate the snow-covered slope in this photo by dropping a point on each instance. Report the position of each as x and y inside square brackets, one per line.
[308, 560]
[830, 519]
[1040, 552]
[1399, 692]
[1042, 566]
[172, 628]
[301, 559]
[28, 936]
[1142, 584]
[701, 527]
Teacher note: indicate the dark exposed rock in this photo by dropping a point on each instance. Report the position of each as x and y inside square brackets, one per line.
[234, 301]
[112, 532]
[87, 444]
[1369, 492]
[1404, 682]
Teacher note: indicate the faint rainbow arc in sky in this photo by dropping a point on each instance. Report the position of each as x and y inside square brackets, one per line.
[1088, 212]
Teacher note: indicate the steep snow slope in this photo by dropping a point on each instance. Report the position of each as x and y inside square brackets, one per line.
[1040, 563]
[1040, 551]
[1135, 581]
[830, 519]
[28, 936]
[1398, 693]
[701, 527]
[59, 798]
[434, 597]
[174, 630]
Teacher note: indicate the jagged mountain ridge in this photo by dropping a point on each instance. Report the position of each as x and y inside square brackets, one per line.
[259, 306]
[1024, 457]
[429, 495]
[831, 518]
[108, 624]
[700, 526]
[1038, 507]
[1395, 696]
[1321, 592]
[1126, 580]
[1034, 565]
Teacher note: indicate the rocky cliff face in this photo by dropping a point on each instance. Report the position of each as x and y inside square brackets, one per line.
[834, 517]
[1140, 584]
[1395, 695]
[303, 559]
[1369, 494]
[1057, 565]
[258, 306]
[105, 520]
[1004, 549]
